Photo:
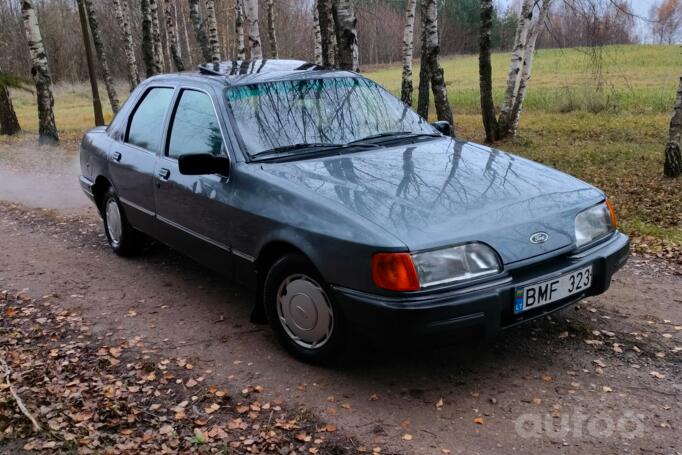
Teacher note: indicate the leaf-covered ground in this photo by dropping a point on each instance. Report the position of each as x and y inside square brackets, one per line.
[107, 395]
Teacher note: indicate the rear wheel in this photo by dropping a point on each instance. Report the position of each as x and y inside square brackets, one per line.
[302, 312]
[123, 238]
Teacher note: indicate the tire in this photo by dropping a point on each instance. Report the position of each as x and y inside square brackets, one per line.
[315, 331]
[123, 238]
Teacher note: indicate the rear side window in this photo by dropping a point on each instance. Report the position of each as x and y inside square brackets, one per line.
[195, 127]
[146, 125]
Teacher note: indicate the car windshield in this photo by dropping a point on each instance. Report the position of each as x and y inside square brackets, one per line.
[295, 117]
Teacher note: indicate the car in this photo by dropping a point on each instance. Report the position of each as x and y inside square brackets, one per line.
[342, 208]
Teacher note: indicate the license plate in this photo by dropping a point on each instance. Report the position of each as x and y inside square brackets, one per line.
[545, 292]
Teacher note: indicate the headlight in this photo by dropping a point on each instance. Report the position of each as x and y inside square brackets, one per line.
[457, 263]
[594, 223]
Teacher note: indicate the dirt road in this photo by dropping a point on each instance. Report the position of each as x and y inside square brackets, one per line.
[605, 377]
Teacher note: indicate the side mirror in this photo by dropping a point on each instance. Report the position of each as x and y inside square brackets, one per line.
[203, 164]
[443, 126]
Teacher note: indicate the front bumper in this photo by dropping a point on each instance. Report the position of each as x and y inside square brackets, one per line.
[487, 305]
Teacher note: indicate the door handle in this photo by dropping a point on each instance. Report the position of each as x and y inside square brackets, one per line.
[116, 156]
[164, 174]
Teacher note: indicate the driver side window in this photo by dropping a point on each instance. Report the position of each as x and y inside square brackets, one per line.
[195, 128]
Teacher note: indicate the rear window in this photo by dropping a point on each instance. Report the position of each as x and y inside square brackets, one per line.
[146, 123]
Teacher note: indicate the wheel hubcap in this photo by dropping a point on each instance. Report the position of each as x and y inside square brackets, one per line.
[114, 227]
[304, 311]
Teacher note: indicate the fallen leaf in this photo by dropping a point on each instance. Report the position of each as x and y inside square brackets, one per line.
[479, 420]
[211, 409]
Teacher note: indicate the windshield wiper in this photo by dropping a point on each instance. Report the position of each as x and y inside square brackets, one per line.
[294, 147]
[392, 135]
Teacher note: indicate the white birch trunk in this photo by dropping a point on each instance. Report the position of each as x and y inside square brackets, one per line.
[156, 37]
[40, 70]
[318, 36]
[212, 23]
[408, 50]
[101, 55]
[515, 65]
[185, 35]
[122, 15]
[527, 67]
[251, 14]
[346, 35]
[239, 27]
[327, 32]
[440, 93]
[147, 39]
[173, 44]
[197, 25]
[272, 32]
[9, 124]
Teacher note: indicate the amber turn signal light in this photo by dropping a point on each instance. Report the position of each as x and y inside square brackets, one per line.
[394, 272]
[613, 214]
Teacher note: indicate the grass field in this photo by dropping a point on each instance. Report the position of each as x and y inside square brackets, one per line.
[607, 125]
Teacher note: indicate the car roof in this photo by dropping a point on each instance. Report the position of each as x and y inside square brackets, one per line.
[244, 72]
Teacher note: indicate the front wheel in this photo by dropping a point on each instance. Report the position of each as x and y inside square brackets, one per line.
[122, 237]
[302, 312]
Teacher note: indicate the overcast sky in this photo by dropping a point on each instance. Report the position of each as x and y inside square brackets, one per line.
[639, 7]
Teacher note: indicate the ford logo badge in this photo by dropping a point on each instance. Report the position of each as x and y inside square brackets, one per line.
[539, 237]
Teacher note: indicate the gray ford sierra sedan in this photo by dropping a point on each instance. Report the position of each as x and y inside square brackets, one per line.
[344, 209]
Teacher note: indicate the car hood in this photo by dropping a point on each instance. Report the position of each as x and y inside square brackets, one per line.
[443, 192]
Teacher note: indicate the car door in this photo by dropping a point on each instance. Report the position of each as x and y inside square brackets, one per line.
[192, 211]
[133, 159]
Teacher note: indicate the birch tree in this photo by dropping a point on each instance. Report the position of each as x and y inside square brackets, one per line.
[185, 34]
[318, 36]
[176, 54]
[101, 55]
[40, 70]
[518, 52]
[520, 68]
[346, 35]
[251, 14]
[327, 32]
[156, 37]
[199, 32]
[486, 73]
[9, 124]
[673, 155]
[122, 15]
[408, 46]
[147, 40]
[239, 27]
[424, 92]
[527, 66]
[440, 94]
[272, 32]
[212, 22]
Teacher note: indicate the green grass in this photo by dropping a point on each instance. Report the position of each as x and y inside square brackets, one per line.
[607, 127]
[636, 79]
